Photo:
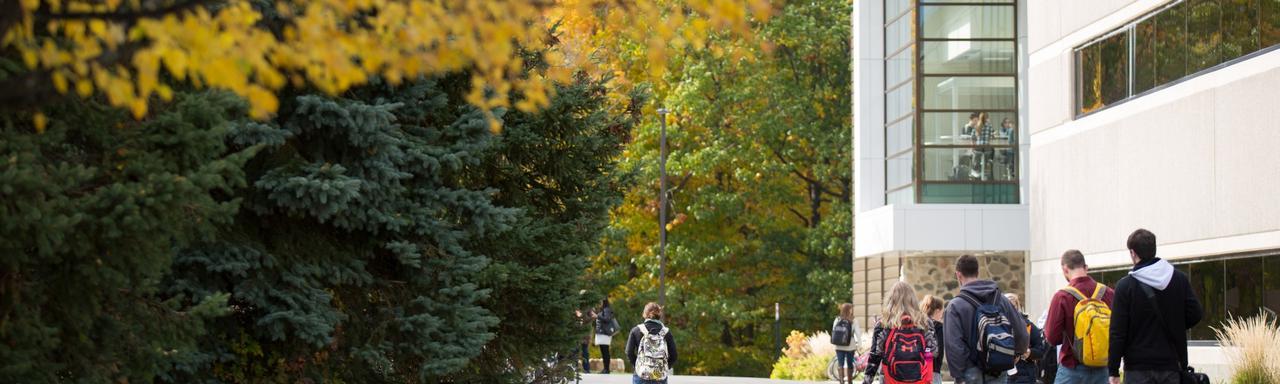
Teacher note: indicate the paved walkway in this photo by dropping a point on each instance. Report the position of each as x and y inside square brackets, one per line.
[626, 379]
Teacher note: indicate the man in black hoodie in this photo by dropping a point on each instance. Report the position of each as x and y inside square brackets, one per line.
[1153, 348]
[958, 323]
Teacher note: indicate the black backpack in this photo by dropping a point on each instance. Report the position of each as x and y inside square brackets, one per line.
[605, 323]
[842, 333]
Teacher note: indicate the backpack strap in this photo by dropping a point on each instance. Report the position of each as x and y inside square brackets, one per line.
[1099, 291]
[1075, 292]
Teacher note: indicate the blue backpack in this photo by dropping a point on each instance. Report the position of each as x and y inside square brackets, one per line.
[993, 334]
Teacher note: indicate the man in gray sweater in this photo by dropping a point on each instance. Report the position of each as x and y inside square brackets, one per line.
[961, 332]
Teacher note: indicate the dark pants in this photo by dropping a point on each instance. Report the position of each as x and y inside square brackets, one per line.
[586, 358]
[1151, 377]
[604, 357]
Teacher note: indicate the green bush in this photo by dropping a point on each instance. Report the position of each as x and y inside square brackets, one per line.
[811, 367]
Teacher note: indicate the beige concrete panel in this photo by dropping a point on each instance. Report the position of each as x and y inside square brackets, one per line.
[1077, 208]
[1247, 156]
[1044, 23]
[1049, 97]
[1166, 172]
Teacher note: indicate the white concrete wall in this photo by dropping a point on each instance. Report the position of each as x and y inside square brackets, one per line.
[942, 227]
[868, 105]
[1197, 163]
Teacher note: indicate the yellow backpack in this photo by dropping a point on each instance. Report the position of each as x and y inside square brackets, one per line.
[1092, 334]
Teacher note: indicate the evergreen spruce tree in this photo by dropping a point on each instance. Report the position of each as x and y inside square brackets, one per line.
[90, 213]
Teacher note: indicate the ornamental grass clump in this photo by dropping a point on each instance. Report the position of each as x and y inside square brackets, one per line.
[1253, 346]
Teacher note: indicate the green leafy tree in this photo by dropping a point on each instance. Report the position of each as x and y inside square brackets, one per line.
[761, 188]
[90, 212]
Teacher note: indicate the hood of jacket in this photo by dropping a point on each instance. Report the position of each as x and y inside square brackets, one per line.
[1155, 272]
[984, 290]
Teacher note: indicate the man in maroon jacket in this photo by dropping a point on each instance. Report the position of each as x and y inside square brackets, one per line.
[1059, 326]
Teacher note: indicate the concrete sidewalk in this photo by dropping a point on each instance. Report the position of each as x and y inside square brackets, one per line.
[592, 378]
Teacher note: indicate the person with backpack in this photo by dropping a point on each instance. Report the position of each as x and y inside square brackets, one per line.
[932, 307]
[606, 327]
[843, 338]
[985, 334]
[1079, 320]
[1153, 309]
[651, 348]
[902, 341]
[1027, 370]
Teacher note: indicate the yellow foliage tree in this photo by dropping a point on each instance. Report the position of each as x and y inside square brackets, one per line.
[133, 50]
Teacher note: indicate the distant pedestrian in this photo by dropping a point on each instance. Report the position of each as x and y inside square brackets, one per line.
[843, 338]
[651, 348]
[902, 342]
[606, 326]
[1027, 371]
[1154, 308]
[932, 307]
[985, 333]
[1083, 357]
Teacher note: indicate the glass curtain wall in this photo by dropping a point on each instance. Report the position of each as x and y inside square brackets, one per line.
[968, 102]
[1180, 40]
[900, 101]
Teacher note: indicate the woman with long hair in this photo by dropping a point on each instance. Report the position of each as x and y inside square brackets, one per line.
[844, 353]
[606, 326]
[900, 313]
[933, 307]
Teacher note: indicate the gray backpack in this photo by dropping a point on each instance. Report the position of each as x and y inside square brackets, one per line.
[651, 359]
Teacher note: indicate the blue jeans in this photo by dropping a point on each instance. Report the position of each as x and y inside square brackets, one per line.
[844, 359]
[1081, 375]
[637, 380]
[973, 375]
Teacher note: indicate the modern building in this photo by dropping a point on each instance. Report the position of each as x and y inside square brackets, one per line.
[1156, 114]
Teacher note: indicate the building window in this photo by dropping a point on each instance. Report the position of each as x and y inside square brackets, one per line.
[1177, 41]
[899, 101]
[967, 102]
[1226, 287]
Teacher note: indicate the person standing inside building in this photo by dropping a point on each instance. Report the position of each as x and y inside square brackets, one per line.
[1154, 308]
[1060, 324]
[1003, 330]
[1027, 371]
[932, 306]
[651, 348]
[606, 326]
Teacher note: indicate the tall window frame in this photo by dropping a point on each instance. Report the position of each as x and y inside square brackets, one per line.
[986, 185]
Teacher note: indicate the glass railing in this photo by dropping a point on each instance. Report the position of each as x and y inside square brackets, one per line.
[1177, 41]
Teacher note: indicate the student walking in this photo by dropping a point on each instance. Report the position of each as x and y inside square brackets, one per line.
[842, 337]
[1083, 355]
[583, 352]
[985, 334]
[1154, 306]
[932, 307]
[900, 333]
[1027, 371]
[606, 326]
[651, 348]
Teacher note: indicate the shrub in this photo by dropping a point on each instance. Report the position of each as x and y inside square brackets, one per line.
[805, 358]
[1251, 346]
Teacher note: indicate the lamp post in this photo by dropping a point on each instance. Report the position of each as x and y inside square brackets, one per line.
[662, 209]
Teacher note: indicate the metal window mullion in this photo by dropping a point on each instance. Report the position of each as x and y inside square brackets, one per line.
[1132, 53]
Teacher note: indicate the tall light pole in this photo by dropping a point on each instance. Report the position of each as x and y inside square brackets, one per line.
[662, 209]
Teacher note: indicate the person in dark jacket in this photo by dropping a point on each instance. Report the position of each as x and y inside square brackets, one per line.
[932, 307]
[652, 324]
[958, 321]
[1149, 334]
[1027, 371]
[606, 326]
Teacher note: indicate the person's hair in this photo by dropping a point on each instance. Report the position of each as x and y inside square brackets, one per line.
[1013, 299]
[901, 301]
[983, 117]
[846, 311]
[1143, 243]
[1073, 259]
[604, 303]
[967, 265]
[1006, 120]
[653, 311]
[973, 115]
[931, 303]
